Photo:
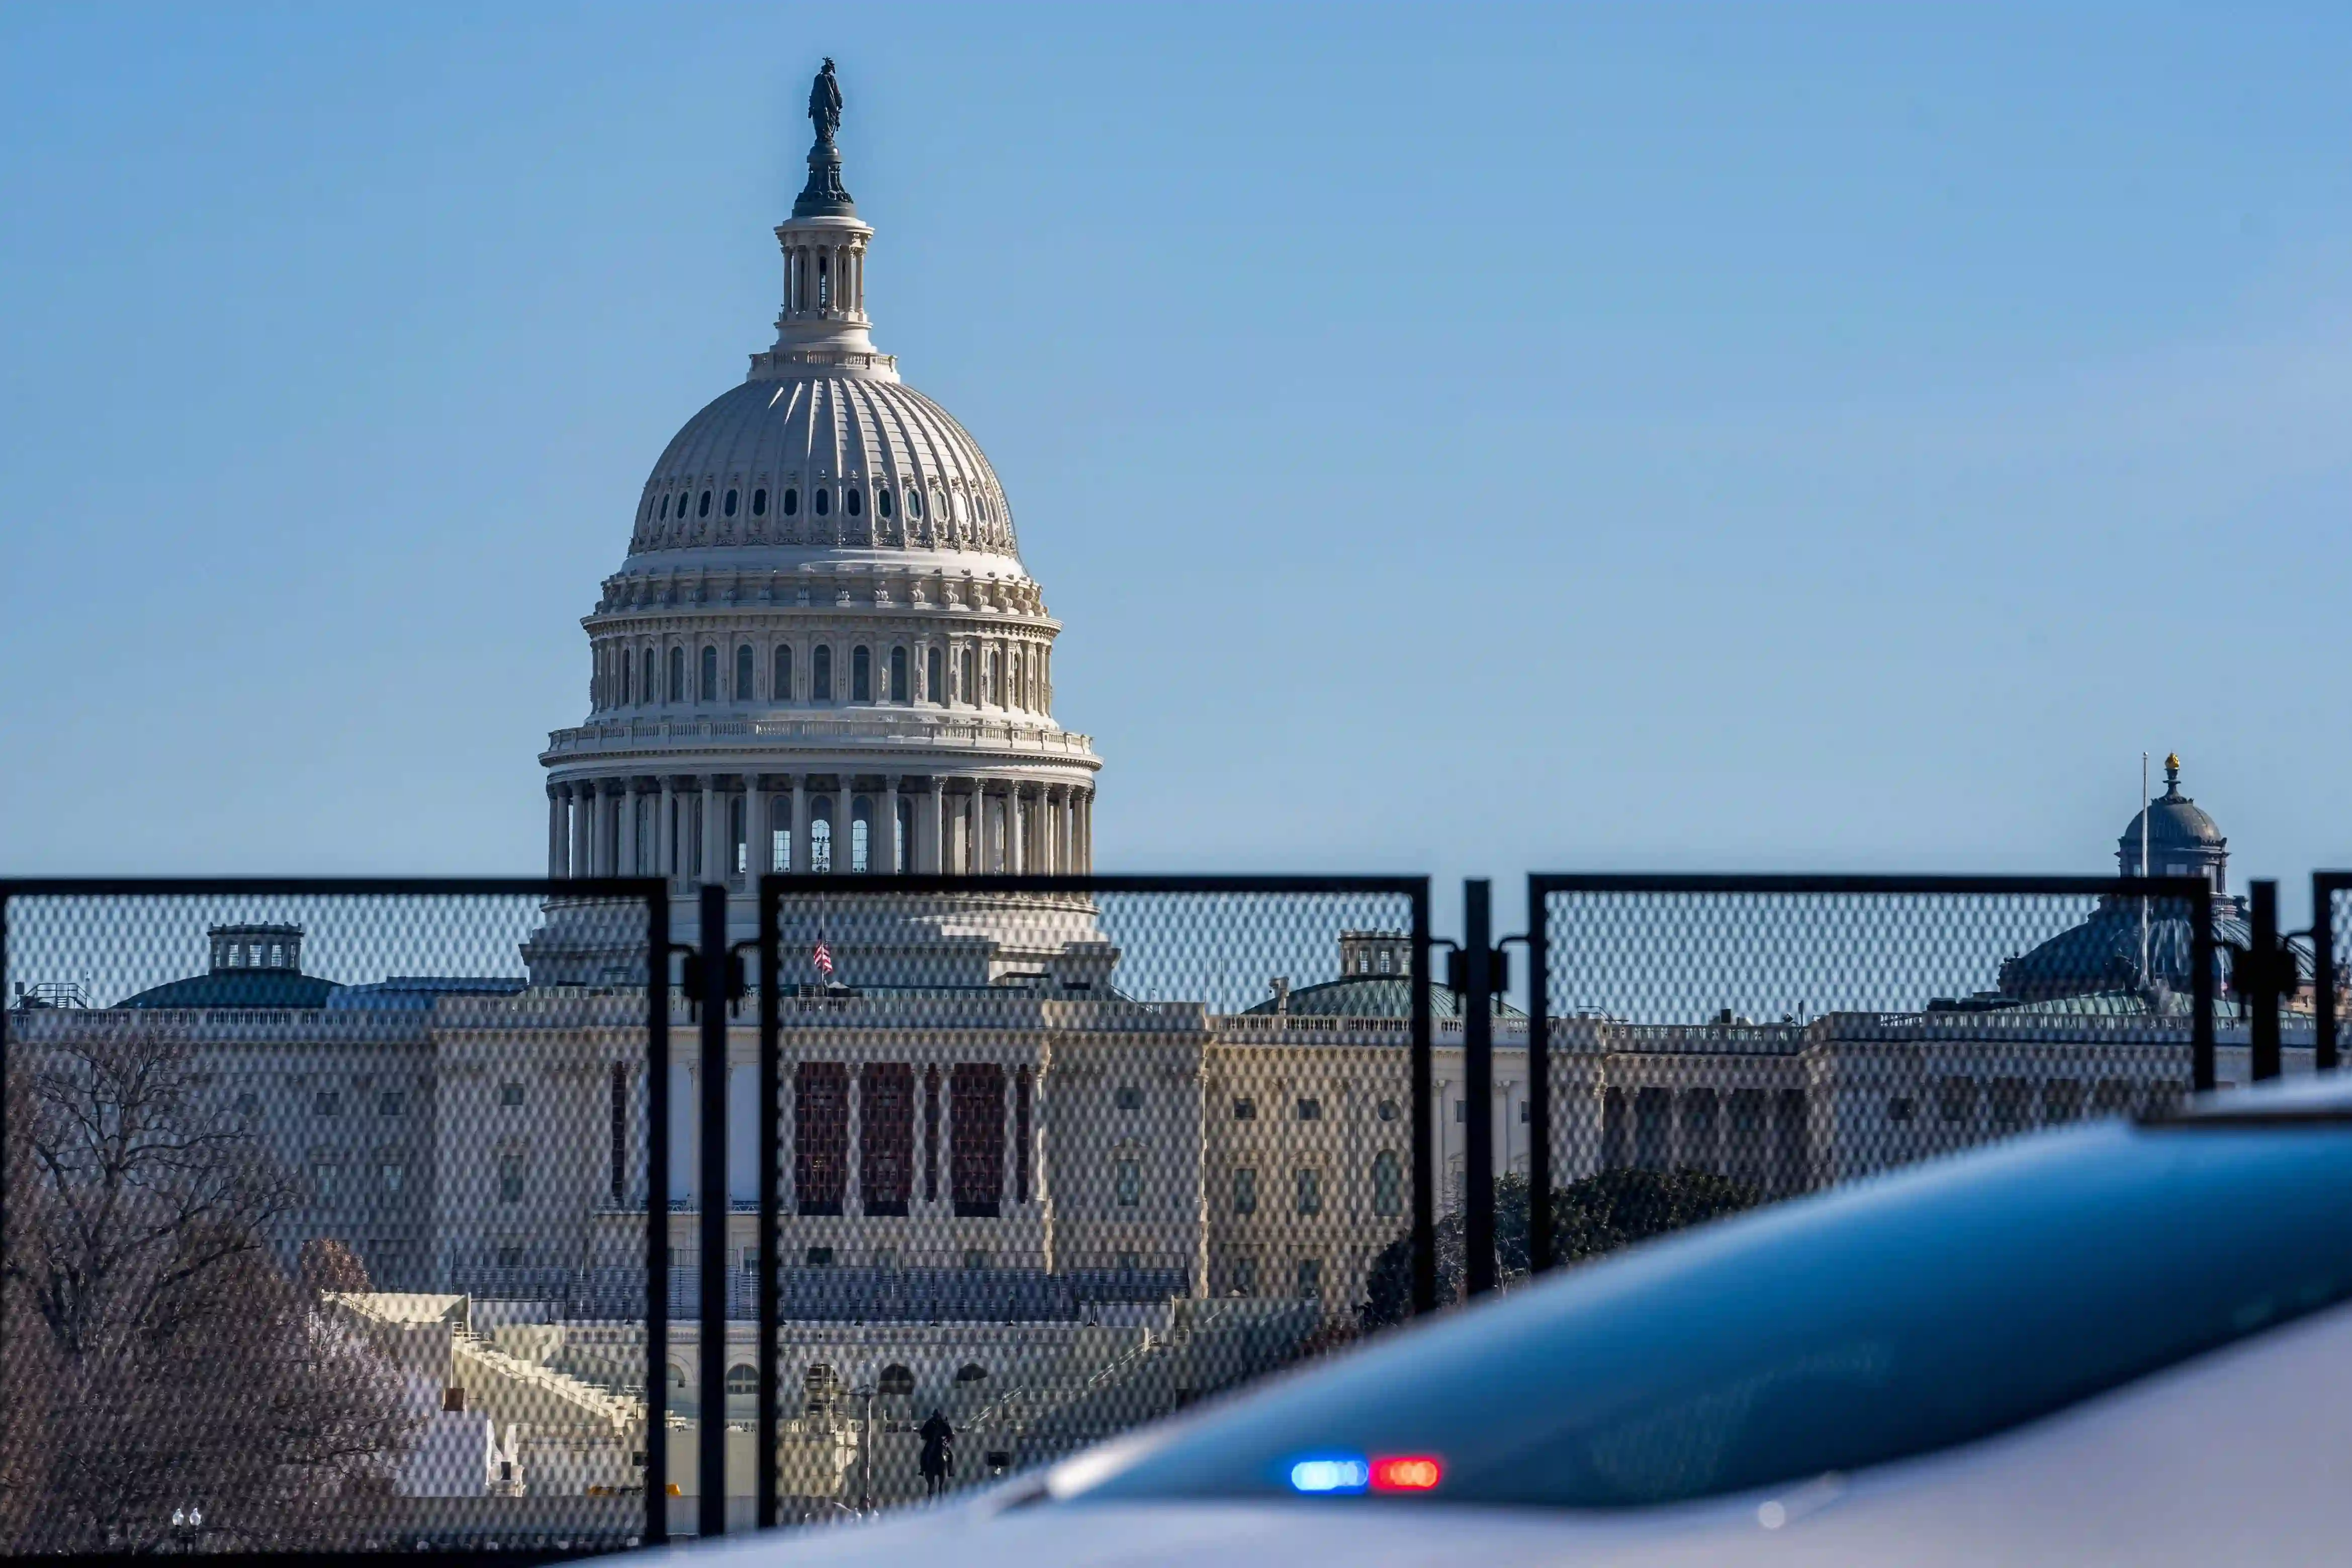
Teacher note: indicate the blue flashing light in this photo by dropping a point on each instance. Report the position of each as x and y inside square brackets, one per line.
[1323, 1474]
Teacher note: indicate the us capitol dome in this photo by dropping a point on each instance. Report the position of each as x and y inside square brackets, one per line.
[822, 653]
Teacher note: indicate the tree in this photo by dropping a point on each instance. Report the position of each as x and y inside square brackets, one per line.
[183, 1365]
[1598, 1214]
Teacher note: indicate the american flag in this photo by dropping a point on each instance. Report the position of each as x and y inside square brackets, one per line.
[823, 959]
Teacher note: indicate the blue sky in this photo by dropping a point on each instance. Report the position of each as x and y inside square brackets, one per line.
[1456, 439]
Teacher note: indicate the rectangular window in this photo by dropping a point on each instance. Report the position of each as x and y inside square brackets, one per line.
[1246, 1190]
[510, 1178]
[1956, 1099]
[510, 1093]
[329, 1104]
[248, 1104]
[1310, 1190]
[1129, 1098]
[511, 1257]
[1900, 1108]
[750, 1260]
[1245, 1109]
[395, 1176]
[1310, 1278]
[886, 1137]
[323, 1176]
[1310, 1110]
[820, 1136]
[820, 1256]
[976, 1138]
[1129, 1179]
[1461, 1110]
[392, 1102]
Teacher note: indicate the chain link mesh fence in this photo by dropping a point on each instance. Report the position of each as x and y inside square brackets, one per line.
[1717, 1044]
[325, 1226]
[1056, 1158]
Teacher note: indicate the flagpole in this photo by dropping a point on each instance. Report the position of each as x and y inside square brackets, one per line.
[2143, 867]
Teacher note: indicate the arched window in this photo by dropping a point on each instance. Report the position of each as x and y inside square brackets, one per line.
[970, 692]
[823, 501]
[702, 509]
[628, 668]
[663, 516]
[783, 691]
[677, 1375]
[1388, 1184]
[897, 674]
[709, 673]
[895, 1380]
[729, 507]
[932, 687]
[882, 499]
[646, 691]
[972, 1372]
[989, 692]
[677, 674]
[792, 500]
[852, 502]
[861, 675]
[821, 674]
[913, 502]
[759, 502]
[743, 673]
[861, 834]
[742, 1382]
[681, 505]
[820, 835]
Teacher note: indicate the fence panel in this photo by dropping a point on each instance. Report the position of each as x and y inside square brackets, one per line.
[1707, 1043]
[326, 1222]
[1054, 1156]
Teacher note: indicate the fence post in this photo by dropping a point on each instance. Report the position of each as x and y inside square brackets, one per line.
[657, 950]
[2202, 955]
[2323, 974]
[2263, 984]
[1477, 1088]
[771, 1202]
[1424, 1251]
[1539, 1081]
[711, 1420]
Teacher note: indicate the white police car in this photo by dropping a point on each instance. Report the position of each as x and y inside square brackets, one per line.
[2119, 1342]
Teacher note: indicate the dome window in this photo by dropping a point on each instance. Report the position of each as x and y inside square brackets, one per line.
[709, 673]
[703, 510]
[861, 675]
[783, 688]
[681, 505]
[913, 502]
[960, 514]
[852, 502]
[824, 502]
[645, 692]
[730, 505]
[759, 502]
[743, 673]
[934, 684]
[882, 500]
[897, 674]
[821, 674]
[792, 501]
[662, 515]
[677, 674]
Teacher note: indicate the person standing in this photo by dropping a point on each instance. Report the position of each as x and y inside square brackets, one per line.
[938, 1453]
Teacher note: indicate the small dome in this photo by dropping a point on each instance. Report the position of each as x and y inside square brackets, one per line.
[823, 459]
[2175, 823]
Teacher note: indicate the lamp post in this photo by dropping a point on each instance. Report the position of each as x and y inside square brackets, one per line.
[864, 1392]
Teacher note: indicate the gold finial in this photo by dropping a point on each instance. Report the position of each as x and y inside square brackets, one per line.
[2172, 762]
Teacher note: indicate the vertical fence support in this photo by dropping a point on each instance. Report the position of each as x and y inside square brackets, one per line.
[711, 1197]
[1477, 1087]
[1538, 1083]
[2264, 982]
[657, 1220]
[2323, 972]
[772, 1089]
[2202, 956]
[1425, 1126]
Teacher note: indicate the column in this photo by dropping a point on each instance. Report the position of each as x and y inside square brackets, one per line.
[936, 860]
[630, 865]
[759, 849]
[559, 863]
[799, 826]
[890, 858]
[1086, 833]
[584, 813]
[841, 824]
[852, 1162]
[1016, 839]
[600, 854]
[975, 808]
[666, 830]
[1049, 831]
[714, 830]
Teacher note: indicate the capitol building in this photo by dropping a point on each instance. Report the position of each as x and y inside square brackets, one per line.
[1017, 1186]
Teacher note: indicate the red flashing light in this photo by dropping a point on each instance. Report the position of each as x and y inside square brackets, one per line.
[1407, 1472]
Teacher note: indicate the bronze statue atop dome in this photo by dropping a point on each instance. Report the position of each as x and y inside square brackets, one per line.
[824, 196]
[824, 104]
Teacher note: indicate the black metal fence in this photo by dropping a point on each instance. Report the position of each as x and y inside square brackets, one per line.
[954, 1175]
